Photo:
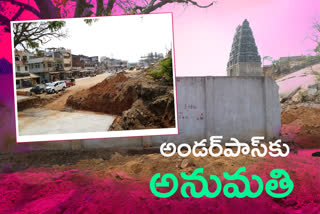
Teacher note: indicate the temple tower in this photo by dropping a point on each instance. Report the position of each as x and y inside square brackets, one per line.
[244, 58]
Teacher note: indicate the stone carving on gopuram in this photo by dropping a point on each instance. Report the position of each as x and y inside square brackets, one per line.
[244, 58]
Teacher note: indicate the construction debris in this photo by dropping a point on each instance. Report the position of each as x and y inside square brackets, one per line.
[139, 101]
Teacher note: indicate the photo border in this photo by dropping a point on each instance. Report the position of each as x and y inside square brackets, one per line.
[95, 135]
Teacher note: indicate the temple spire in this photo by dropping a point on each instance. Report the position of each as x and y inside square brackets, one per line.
[244, 59]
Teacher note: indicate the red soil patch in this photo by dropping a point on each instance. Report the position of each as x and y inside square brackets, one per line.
[121, 185]
[302, 126]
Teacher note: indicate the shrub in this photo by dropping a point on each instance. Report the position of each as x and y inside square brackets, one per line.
[163, 70]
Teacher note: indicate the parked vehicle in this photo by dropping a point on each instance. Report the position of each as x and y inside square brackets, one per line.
[55, 87]
[68, 83]
[64, 84]
[38, 89]
[93, 74]
[73, 82]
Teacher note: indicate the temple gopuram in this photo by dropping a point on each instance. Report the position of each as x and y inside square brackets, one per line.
[244, 57]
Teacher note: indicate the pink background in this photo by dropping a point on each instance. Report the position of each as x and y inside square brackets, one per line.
[203, 37]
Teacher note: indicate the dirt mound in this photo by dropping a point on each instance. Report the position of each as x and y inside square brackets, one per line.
[159, 113]
[302, 126]
[309, 116]
[140, 101]
[104, 97]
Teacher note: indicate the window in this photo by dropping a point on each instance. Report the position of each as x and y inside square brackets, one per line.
[17, 58]
[49, 65]
[18, 68]
[26, 68]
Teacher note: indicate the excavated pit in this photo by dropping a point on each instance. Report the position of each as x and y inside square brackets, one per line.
[139, 101]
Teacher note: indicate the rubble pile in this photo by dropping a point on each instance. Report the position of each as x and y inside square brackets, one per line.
[309, 97]
[139, 101]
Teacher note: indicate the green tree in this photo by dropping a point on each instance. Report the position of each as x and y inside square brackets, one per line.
[162, 69]
[32, 34]
[90, 21]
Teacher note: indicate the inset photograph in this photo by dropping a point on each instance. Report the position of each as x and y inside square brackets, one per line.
[86, 78]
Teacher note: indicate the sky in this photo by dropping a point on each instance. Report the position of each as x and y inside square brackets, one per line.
[120, 37]
[203, 37]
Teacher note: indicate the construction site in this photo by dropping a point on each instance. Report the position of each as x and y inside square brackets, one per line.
[110, 101]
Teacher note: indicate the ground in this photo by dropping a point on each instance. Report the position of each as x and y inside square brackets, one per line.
[104, 182]
[140, 101]
[81, 84]
[54, 118]
[301, 126]
[41, 121]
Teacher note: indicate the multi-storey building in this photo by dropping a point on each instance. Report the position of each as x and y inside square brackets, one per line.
[63, 62]
[43, 64]
[51, 64]
[147, 60]
[114, 65]
[23, 77]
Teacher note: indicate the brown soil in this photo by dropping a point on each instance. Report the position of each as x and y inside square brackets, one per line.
[81, 84]
[58, 101]
[104, 161]
[302, 124]
[37, 101]
[139, 100]
[310, 117]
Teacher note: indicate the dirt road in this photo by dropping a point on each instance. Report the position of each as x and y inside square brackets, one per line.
[51, 119]
[39, 121]
[81, 84]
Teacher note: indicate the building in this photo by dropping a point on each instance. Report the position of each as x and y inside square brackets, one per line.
[23, 77]
[63, 62]
[84, 65]
[151, 58]
[21, 59]
[244, 58]
[90, 63]
[132, 65]
[114, 65]
[51, 64]
[43, 65]
[77, 64]
[292, 58]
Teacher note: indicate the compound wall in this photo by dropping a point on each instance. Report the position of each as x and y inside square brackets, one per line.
[240, 107]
